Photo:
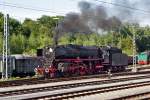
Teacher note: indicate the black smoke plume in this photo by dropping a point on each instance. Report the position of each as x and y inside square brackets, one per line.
[91, 19]
[97, 18]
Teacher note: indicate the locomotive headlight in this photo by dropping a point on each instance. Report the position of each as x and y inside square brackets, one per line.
[50, 50]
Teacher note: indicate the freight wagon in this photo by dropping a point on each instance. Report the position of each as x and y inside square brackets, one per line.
[130, 59]
[21, 65]
[25, 65]
[11, 65]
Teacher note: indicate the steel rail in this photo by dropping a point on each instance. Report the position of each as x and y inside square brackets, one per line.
[42, 81]
[68, 86]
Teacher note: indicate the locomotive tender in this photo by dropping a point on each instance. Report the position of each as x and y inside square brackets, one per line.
[73, 60]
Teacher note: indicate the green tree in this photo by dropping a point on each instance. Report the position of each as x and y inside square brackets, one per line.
[17, 44]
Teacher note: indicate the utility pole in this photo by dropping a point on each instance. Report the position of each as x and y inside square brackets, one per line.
[134, 50]
[120, 45]
[5, 47]
[112, 41]
[55, 38]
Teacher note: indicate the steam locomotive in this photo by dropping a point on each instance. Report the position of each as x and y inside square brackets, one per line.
[74, 60]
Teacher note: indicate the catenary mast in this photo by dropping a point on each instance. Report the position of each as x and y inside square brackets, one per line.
[5, 47]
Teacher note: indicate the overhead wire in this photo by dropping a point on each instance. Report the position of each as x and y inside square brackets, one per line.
[61, 13]
[123, 6]
[29, 8]
[49, 10]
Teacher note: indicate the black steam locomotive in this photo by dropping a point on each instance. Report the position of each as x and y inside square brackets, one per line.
[72, 60]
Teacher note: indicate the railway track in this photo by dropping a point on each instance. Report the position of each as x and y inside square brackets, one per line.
[41, 81]
[82, 92]
[140, 96]
[31, 81]
[101, 90]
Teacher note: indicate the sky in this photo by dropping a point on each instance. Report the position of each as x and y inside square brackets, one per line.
[52, 7]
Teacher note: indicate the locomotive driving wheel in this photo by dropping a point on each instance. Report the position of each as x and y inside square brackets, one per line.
[83, 69]
[80, 69]
[74, 69]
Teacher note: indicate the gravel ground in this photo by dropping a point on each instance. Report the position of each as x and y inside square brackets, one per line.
[115, 94]
[107, 95]
[59, 83]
